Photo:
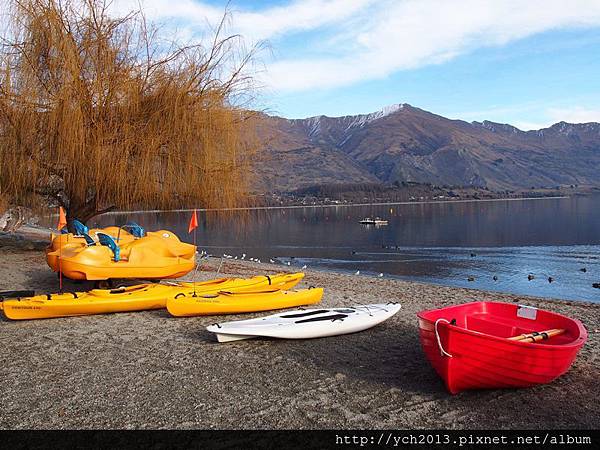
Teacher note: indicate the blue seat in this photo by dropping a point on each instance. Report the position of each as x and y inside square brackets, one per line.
[109, 242]
[88, 239]
[135, 229]
[79, 228]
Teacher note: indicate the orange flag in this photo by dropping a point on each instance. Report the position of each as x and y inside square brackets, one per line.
[193, 222]
[62, 219]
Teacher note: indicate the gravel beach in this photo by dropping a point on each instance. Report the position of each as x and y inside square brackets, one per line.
[149, 370]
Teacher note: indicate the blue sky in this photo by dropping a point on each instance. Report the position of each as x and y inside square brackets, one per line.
[529, 63]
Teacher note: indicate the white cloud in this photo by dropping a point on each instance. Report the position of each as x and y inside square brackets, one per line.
[295, 16]
[576, 114]
[369, 39]
[412, 33]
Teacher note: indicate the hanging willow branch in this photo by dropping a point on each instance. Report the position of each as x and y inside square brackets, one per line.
[97, 112]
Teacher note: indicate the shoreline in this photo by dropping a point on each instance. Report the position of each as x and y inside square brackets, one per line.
[149, 370]
[343, 205]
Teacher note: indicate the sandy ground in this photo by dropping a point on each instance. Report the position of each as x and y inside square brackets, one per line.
[148, 370]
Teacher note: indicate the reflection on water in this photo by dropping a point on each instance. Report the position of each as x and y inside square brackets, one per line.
[444, 243]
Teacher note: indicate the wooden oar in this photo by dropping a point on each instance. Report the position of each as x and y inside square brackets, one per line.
[537, 336]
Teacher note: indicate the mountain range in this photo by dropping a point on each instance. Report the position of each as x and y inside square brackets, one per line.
[405, 143]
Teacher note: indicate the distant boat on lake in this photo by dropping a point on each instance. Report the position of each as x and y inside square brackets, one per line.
[375, 221]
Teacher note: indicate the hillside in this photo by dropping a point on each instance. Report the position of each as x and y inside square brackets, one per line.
[404, 143]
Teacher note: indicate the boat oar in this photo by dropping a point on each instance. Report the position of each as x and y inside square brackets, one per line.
[537, 336]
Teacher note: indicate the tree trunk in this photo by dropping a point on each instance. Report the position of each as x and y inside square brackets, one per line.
[83, 212]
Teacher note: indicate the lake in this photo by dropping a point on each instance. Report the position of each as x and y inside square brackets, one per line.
[499, 245]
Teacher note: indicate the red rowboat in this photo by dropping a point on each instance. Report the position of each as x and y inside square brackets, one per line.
[469, 348]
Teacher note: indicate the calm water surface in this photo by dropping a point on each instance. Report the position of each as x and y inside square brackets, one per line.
[444, 243]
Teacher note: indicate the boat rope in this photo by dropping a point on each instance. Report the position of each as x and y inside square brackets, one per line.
[437, 336]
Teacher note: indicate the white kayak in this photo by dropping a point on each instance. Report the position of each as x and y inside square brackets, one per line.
[306, 323]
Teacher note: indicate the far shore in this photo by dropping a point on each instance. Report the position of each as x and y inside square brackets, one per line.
[335, 205]
[149, 370]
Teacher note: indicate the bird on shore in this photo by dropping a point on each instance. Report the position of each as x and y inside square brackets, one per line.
[271, 260]
[550, 279]
[243, 256]
[235, 257]
[530, 277]
[357, 272]
[304, 266]
[495, 278]
[380, 275]
[583, 269]
[289, 263]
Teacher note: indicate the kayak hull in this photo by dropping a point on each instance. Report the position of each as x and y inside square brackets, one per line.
[133, 298]
[307, 323]
[241, 302]
[476, 354]
[97, 301]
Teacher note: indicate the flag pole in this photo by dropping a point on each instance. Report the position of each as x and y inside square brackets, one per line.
[192, 227]
[62, 222]
[196, 253]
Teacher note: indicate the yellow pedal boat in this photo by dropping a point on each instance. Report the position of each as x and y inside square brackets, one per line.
[115, 253]
[227, 302]
[133, 298]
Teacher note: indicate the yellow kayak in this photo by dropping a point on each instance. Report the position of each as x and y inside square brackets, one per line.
[283, 281]
[133, 298]
[226, 302]
[96, 301]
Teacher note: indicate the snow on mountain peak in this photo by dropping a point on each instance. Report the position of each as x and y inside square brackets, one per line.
[362, 119]
[314, 124]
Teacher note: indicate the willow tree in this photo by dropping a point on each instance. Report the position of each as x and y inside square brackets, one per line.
[98, 111]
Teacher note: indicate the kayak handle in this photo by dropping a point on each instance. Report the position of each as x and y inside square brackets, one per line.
[437, 337]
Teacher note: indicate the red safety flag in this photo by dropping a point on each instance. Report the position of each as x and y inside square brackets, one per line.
[62, 219]
[193, 222]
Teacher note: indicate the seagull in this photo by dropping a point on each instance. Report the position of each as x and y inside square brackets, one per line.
[271, 261]
[258, 260]
[304, 266]
[381, 275]
[357, 272]
[289, 263]
[243, 255]
[235, 257]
